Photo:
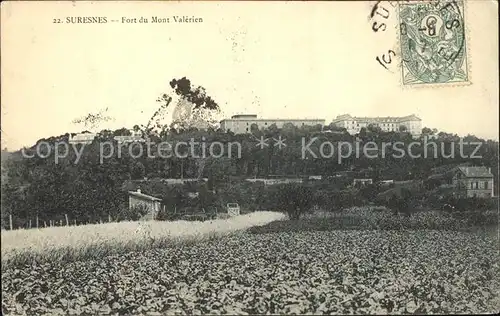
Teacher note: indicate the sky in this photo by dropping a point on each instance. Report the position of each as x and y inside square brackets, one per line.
[276, 60]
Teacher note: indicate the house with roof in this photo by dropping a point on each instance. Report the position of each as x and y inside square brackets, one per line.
[242, 123]
[353, 124]
[85, 138]
[361, 182]
[473, 182]
[136, 198]
[274, 181]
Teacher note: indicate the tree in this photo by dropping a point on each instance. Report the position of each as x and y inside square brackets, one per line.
[194, 107]
[136, 128]
[295, 199]
[195, 95]
[254, 128]
[402, 128]
[138, 171]
[122, 132]
[428, 131]
[374, 129]
[369, 192]
[334, 128]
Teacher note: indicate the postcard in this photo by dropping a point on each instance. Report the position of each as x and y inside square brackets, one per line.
[249, 157]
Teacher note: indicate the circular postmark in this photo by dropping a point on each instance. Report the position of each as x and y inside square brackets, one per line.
[433, 42]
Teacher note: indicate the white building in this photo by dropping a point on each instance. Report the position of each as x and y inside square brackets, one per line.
[240, 124]
[150, 203]
[82, 138]
[135, 137]
[275, 181]
[129, 139]
[353, 125]
[362, 182]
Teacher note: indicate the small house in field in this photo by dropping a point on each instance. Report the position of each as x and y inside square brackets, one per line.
[473, 182]
[136, 198]
[233, 209]
[315, 177]
[362, 182]
[274, 181]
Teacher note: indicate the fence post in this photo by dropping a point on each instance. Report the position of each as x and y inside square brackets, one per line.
[60, 222]
[109, 218]
[100, 220]
[37, 222]
[67, 221]
[10, 221]
[74, 221]
[29, 224]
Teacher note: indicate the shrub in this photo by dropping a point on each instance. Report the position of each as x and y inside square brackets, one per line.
[295, 199]
[165, 215]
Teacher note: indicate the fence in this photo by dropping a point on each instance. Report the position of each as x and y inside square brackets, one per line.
[37, 223]
[174, 214]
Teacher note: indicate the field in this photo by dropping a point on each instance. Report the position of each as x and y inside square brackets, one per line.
[299, 272]
[379, 218]
[94, 241]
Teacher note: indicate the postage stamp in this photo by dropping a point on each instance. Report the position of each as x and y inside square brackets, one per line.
[433, 42]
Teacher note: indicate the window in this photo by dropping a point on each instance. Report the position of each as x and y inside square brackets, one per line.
[486, 185]
[247, 129]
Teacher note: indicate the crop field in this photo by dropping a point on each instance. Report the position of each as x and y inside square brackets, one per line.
[320, 272]
[94, 241]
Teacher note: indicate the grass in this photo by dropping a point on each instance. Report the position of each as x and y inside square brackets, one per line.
[20, 247]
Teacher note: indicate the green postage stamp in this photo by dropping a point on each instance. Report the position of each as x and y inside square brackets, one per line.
[433, 42]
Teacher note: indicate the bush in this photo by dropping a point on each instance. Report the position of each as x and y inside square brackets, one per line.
[165, 215]
[295, 199]
[468, 204]
[375, 218]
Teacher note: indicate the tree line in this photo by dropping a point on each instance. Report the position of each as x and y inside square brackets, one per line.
[38, 187]
[96, 188]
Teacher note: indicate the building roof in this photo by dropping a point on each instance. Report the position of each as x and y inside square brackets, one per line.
[476, 172]
[411, 117]
[394, 119]
[244, 116]
[273, 119]
[82, 136]
[143, 196]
